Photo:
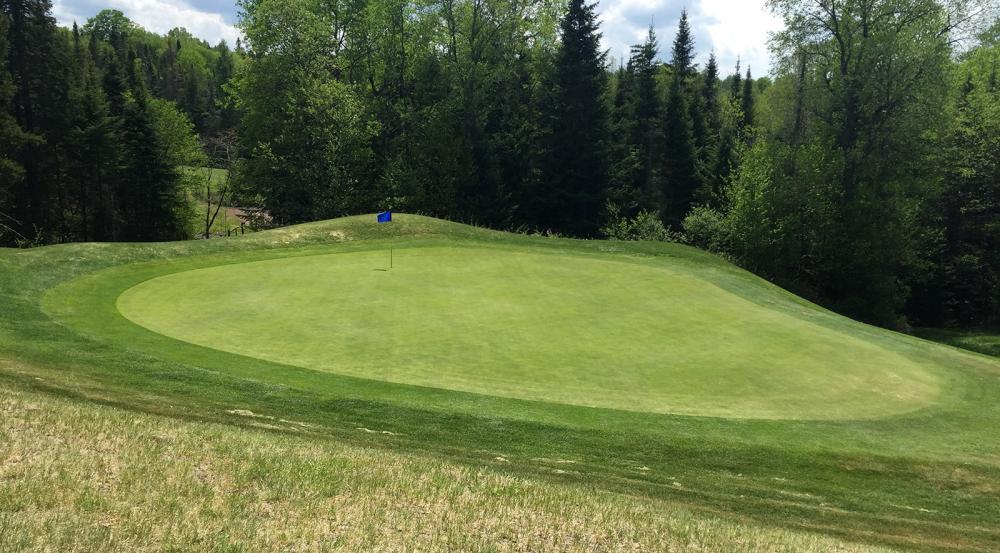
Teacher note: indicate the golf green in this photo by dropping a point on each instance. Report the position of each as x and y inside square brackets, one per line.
[590, 330]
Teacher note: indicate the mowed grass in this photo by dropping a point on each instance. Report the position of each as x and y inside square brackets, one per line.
[77, 476]
[985, 340]
[587, 330]
[923, 477]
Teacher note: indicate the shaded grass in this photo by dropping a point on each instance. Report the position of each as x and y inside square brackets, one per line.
[925, 480]
[985, 340]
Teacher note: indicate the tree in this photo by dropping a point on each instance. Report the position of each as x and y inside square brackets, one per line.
[150, 186]
[639, 129]
[93, 155]
[576, 175]
[111, 26]
[962, 219]
[747, 106]
[874, 92]
[711, 147]
[12, 137]
[680, 155]
[307, 136]
[36, 60]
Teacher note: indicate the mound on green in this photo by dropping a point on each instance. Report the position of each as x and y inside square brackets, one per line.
[589, 330]
[633, 373]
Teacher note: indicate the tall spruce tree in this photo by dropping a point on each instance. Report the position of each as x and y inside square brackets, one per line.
[93, 156]
[708, 154]
[12, 137]
[149, 188]
[747, 102]
[36, 62]
[736, 85]
[680, 152]
[577, 172]
[644, 135]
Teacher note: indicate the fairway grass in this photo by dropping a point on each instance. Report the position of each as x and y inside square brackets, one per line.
[587, 330]
[771, 421]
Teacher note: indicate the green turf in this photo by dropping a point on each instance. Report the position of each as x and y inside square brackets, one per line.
[584, 330]
[985, 340]
[924, 478]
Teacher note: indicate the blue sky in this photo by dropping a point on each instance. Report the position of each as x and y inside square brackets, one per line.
[732, 28]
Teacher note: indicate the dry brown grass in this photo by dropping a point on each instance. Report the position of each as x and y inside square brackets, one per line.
[76, 476]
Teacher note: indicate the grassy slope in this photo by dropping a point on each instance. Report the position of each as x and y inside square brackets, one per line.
[927, 479]
[983, 340]
[84, 477]
[584, 330]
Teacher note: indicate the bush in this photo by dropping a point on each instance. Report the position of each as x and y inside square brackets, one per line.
[705, 228]
[644, 226]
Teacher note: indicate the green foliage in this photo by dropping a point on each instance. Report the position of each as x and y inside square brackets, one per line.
[637, 171]
[706, 228]
[645, 225]
[575, 174]
[963, 246]
[111, 26]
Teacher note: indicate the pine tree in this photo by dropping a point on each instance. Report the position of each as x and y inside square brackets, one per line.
[747, 102]
[150, 192]
[736, 86]
[92, 153]
[643, 133]
[708, 158]
[36, 62]
[12, 137]
[710, 96]
[680, 150]
[683, 50]
[578, 146]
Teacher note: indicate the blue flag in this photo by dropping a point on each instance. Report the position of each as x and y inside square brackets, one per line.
[385, 217]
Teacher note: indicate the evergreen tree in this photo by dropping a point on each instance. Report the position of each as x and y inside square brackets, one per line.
[36, 64]
[576, 175]
[149, 187]
[711, 146]
[680, 151]
[710, 97]
[12, 137]
[93, 150]
[736, 85]
[642, 112]
[682, 59]
[747, 102]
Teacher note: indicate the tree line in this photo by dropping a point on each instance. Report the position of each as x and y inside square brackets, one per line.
[861, 173]
[96, 122]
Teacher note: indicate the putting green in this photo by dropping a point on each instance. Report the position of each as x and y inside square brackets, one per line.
[584, 330]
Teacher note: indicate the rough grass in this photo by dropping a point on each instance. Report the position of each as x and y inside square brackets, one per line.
[925, 480]
[83, 477]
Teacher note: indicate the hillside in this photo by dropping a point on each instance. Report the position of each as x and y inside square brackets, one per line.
[650, 386]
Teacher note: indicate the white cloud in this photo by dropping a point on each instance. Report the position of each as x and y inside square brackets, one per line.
[732, 28]
[159, 16]
[742, 29]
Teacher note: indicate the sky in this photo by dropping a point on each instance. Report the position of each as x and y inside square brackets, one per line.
[731, 28]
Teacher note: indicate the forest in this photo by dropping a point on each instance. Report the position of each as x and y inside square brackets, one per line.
[861, 170]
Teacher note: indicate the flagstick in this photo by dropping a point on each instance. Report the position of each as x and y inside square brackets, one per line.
[390, 257]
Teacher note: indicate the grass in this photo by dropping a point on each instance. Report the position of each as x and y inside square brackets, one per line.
[920, 472]
[575, 329]
[84, 477]
[985, 340]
